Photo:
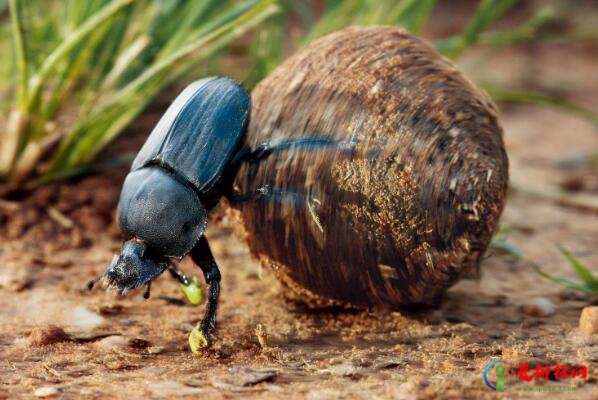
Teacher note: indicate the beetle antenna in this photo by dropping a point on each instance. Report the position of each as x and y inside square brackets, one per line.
[146, 294]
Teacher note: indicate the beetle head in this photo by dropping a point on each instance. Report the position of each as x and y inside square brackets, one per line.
[133, 267]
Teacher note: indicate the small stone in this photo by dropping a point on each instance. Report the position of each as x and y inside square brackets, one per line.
[156, 350]
[538, 307]
[113, 343]
[46, 335]
[588, 322]
[47, 391]
[122, 343]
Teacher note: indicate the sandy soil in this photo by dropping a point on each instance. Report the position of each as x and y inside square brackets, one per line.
[55, 240]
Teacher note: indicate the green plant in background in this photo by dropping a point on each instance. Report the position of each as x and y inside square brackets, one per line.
[83, 70]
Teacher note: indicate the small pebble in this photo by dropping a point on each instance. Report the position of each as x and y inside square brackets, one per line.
[588, 322]
[46, 391]
[113, 343]
[42, 336]
[155, 350]
[122, 343]
[538, 307]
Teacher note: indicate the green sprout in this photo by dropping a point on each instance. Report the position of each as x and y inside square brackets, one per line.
[589, 281]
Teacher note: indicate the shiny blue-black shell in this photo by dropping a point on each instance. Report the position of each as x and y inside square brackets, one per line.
[199, 133]
[165, 197]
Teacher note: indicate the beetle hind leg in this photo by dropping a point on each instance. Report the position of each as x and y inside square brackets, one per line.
[268, 193]
[292, 197]
[313, 142]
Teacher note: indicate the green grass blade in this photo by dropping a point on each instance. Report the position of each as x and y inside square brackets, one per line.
[226, 17]
[413, 14]
[581, 271]
[590, 285]
[13, 134]
[487, 12]
[526, 32]
[20, 46]
[267, 49]
[76, 38]
[124, 61]
[508, 95]
[505, 246]
[338, 14]
[188, 20]
[529, 31]
[561, 281]
[232, 29]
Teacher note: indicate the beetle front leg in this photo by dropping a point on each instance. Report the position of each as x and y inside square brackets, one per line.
[202, 256]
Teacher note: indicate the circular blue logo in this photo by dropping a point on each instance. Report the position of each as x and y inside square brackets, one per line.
[500, 375]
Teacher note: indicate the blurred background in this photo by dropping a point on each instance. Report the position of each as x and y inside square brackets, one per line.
[80, 72]
[82, 83]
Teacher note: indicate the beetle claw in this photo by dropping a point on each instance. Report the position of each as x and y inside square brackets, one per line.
[199, 339]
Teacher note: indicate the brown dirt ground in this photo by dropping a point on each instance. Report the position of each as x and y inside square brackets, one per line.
[133, 348]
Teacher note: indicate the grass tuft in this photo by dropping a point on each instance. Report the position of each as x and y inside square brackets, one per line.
[87, 69]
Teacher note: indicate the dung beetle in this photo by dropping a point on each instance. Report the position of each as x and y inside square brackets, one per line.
[187, 164]
[403, 202]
